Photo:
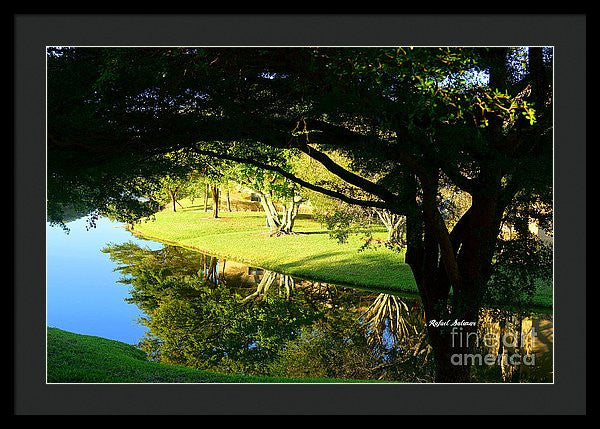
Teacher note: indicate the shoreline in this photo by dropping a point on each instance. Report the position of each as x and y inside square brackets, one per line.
[536, 307]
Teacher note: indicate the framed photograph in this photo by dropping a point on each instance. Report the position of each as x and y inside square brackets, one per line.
[268, 221]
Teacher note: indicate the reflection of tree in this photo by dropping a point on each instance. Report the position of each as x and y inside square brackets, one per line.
[150, 271]
[320, 292]
[195, 322]
[342, 345]
[286, 285]
[333, 346]
[391, 322]
[388, 312]
[134, 258]
[509, 333]
[209, 269]
[292, 328]
[317, 294]
[213, 330]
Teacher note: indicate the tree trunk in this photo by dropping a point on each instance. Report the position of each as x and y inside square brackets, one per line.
[453, 360]
[208, 269]
[394, 224]
[215, 197]
[228, 201]
[277, 224]
[272, 218]
[174, 200]
[206, 197]
[291, 211]
[453, 346]
[468, 251]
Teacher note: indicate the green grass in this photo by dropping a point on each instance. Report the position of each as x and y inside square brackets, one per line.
[311, 254]
[76, 358]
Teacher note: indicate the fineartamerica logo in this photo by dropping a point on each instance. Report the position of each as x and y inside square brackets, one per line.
[503, 349]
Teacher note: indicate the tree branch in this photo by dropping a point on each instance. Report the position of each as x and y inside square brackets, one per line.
[346, 175]
[333, 135]
[434, 221]
[290, 176]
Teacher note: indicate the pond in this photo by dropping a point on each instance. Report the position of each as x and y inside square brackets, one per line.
[82, 290]
[187, 308]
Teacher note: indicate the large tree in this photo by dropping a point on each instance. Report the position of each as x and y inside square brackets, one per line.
[416, 120]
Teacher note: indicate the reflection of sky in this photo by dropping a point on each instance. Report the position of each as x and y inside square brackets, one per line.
[82, 292]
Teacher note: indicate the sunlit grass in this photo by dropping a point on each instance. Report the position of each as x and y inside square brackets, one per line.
[311, 253]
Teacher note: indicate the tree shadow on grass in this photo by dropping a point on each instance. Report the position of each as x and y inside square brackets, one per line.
[342, 264]
[303, 261]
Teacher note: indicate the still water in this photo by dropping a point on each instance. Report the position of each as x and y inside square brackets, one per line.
[82, 293]
[183, 307]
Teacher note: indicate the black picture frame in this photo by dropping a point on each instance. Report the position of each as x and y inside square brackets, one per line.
[33, 32]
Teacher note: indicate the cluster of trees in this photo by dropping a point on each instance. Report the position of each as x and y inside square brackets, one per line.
[396, 127]
[279, 197]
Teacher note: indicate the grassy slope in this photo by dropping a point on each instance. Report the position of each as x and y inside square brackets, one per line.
[312, 254]
[75, 358]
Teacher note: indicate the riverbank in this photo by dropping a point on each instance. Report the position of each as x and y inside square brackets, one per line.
[76, 358]
[309, 254]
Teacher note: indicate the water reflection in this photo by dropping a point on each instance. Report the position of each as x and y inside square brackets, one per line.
[285, 286]
[521, 344]
[208, 313]
[389, 320]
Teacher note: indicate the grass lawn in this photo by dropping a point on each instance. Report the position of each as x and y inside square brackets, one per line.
[75, 358]
[310, 254]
